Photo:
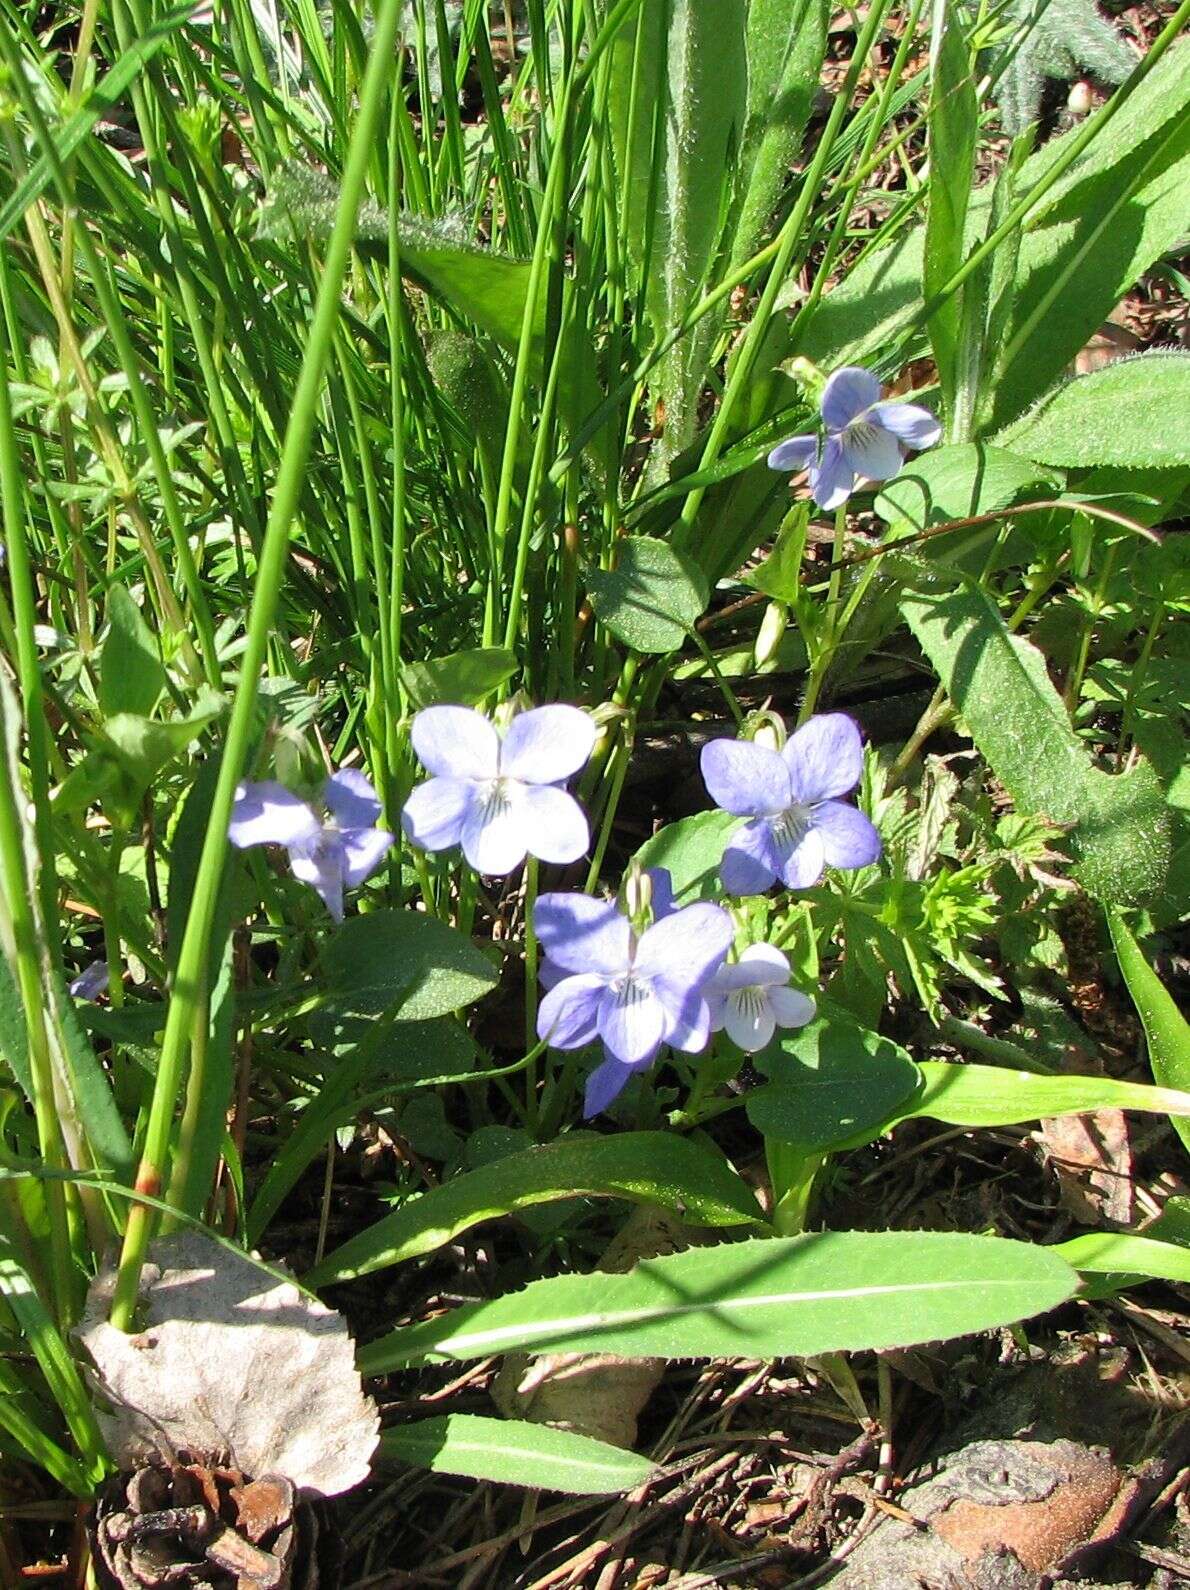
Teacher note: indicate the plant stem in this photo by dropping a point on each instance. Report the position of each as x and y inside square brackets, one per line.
[192, 960]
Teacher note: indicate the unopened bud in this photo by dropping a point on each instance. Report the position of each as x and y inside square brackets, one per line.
[637, 892]
[770, 634]
[766, 728]
[807, 375]
[506, 711]
[1080, 99]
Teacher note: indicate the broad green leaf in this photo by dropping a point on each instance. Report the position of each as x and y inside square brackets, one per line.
[462, 679]
[1107, 417]
[975, 1095]
[1120, 825]
[130, 673]
[651, 598]
[1095, 220]
[685, 127]
[402, 959]
[1116, 1252]
[953, 122]
[1093, 241]
[830, 1083]
[785, 45]
[958, 482]
[130, 752]
[652, 1167]
[690, 850]
[776, 1297]
[1167, 1032]
[515, 1452]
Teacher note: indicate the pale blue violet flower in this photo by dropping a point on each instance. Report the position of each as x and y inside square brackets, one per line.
[500, 798]
[633, 991]
[330, 852]
[750, 998]
[865, 438]
[92, 981]
[798, 825]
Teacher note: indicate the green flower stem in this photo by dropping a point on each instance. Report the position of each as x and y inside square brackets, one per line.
[552, 204]
[792, 238]
[188, 993]
[824, 647]
[532, 1103]
[791, 1176]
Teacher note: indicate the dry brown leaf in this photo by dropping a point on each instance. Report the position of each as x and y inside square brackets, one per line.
[229, 1365]
[1092, 1159]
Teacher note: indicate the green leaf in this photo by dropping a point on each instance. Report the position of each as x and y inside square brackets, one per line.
[953, 121]
[22, 1420]
[56, 1364]
[690, 850]
[652, 597]
[463, 678]
[834, 1291]
[975, 1095]
[1116, 1252]
[1105, 221]
[675, 131]
[68, 135]
[958, 482]
[650, 1167]
[401, 962]
[1120, 824]
[515, 1452]
[1107, 417]
[831, 1083]
[130, 673]
[785, 47]
[1167, 1032]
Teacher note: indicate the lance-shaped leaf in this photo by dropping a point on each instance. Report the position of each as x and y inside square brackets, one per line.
[656, 1167]
[975, 1095]
[835, 1291]
[1167, 1032]
[515, 1452]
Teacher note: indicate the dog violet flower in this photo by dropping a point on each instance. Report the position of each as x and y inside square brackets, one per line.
[798, 825]
[751, 998]
[92, 981]
[500, 798]
[864, 438]
[329, 853]
[634, 991]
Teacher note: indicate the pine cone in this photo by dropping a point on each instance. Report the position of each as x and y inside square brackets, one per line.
[190, 1525]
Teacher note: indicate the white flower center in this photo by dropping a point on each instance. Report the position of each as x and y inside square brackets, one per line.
[860, 432]
[750, 1000]
[629, 989]
[496, 797]
[790, 827]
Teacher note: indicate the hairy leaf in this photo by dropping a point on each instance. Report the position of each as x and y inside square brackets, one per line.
[1120, 826]
[834, 1291]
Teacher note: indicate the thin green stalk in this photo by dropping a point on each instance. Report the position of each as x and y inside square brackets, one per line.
[555, 197]
[192, 960]
[790, 239]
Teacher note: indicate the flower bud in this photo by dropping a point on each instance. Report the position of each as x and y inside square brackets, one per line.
[772, 629]
[637, 892]
[767, 728]
[506, 711]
